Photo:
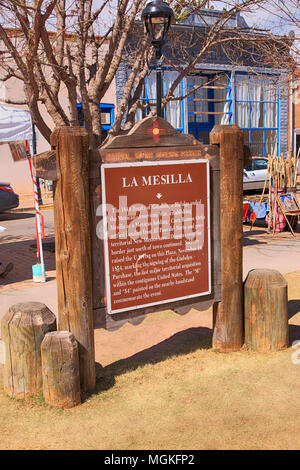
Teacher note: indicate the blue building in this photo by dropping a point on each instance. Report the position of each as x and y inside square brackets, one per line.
[253, 95]
[107, 116]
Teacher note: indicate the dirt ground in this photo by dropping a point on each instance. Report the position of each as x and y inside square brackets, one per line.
[165, 333]
[160, 385]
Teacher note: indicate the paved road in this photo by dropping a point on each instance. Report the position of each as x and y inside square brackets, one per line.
[22, 224]
[262, 250]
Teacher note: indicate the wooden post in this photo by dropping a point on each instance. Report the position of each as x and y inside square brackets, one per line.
[23, 329]
[96, 242]
[228, 314]
[60, 369]
[73, 246]
[266, 311]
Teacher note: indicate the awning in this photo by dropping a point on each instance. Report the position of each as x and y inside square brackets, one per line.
[15, 124]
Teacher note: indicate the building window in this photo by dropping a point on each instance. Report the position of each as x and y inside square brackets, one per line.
[174, 112]
[107, 116]
[209, 103]
[257, 108]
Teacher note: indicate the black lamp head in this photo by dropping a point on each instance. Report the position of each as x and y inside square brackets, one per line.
[157, 17]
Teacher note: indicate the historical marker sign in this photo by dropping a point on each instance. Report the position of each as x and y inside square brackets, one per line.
[156, 232]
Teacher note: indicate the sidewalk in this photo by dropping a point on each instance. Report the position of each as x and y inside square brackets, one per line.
[261, 249]
[18, 245]
[26, 201]
[19, 286]
[21, 252]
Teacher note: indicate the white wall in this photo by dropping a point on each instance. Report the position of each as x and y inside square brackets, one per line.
[15, 173]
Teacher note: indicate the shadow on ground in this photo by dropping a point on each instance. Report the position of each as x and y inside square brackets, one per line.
[250, 236]
[263, 237]
[16, 215]
[294, 332]
[252, 241]
[183, 342]
[48, 245]
[293, 307]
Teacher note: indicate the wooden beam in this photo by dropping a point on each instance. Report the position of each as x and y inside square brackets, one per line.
[228, 314]
[209, 112]
[210, 87]
[73, 245]
[215, 100]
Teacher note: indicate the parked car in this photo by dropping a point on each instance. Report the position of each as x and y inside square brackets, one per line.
[8, 198]
[255, 175]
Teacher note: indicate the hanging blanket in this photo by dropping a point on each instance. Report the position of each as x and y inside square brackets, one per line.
[252, 209]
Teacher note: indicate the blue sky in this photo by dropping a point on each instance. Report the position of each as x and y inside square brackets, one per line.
[269, 15]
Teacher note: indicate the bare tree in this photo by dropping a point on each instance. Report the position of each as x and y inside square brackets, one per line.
[55, 44]
[78, 46]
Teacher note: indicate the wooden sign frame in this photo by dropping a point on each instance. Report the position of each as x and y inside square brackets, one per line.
[169, 165]
[139, 146]
[75, 171]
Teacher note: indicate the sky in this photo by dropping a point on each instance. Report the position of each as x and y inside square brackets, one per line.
[269, 15]
[266, 15]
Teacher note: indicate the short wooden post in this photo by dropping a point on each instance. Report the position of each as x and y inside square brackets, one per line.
[266, 311]
[23, 329]
[60, 369]
[73, 246]
[228, 314]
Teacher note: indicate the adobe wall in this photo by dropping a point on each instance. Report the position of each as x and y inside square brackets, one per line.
[297, 115]
[17, 173]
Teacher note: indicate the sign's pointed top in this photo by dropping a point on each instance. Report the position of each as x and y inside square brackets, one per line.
[151, 131]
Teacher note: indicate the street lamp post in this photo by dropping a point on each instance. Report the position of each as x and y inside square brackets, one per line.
[157, 17]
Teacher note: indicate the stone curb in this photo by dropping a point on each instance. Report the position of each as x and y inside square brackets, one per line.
[26, 209]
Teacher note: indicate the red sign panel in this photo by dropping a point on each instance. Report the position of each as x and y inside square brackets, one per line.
[156, 232]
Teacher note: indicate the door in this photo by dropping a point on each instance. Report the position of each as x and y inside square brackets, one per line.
[209, 103]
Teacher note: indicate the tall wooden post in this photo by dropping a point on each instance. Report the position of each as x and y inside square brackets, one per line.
[73, 245]
[228, 314]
